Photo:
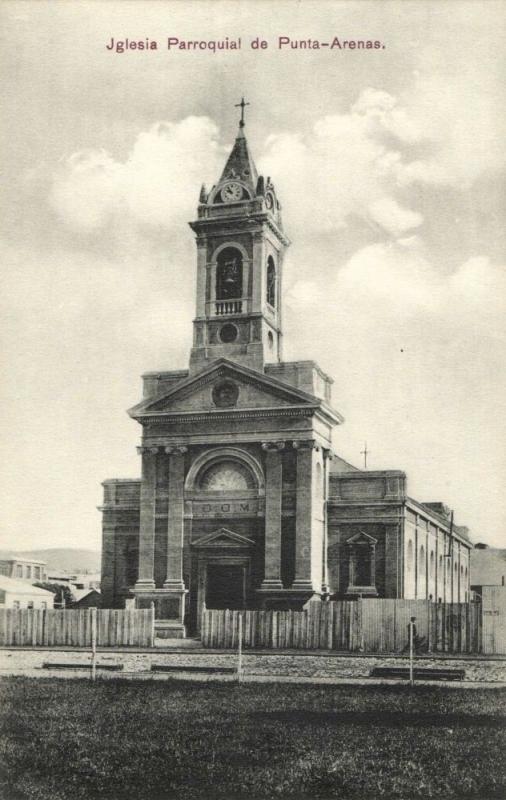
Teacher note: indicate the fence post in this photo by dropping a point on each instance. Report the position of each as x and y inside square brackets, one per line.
[411, 637]
[35, 616]
[93, 612]
[360, 609]
[239, 650]
[152, 642]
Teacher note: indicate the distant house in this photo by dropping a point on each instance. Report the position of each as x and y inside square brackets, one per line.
[21, 594]
[21, 568]
[86, 598]
[61, 578]
[86, 580]
[488, 567]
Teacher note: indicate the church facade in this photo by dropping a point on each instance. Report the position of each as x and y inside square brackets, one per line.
[242, 502]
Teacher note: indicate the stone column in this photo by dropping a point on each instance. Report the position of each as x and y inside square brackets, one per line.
[175, 522]
[273, 487]
[145, 579]
[392, 558]
[202, 298]
[304, 516]
[327, 457]
[257, 267]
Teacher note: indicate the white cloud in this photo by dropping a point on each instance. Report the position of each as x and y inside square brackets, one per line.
[364, 164]
[392, 217]
[342, 168]
[384, 114]
[157, 185]
[395, 280]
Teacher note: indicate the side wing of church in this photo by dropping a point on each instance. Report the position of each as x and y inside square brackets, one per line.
[242, 502]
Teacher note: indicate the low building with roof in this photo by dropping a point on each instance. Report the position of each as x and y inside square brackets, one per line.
[86, 598]
[21, 594]
[21, 568]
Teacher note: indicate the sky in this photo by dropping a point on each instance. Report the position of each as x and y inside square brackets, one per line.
[389, 164]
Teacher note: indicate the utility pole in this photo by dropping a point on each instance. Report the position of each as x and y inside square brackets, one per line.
[365, 452]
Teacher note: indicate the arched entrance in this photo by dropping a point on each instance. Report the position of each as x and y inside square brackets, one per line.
[225, 491]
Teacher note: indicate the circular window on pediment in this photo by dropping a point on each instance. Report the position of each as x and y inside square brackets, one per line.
[225, 394]
[227, 476]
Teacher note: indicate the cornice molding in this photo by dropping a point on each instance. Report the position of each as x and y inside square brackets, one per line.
[198, 416]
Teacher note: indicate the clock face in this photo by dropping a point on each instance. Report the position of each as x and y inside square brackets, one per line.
[232, 192]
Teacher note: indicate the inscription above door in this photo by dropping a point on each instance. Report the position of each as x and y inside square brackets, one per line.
[248, 507]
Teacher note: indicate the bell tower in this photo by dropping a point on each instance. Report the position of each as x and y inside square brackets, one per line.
[240, 249]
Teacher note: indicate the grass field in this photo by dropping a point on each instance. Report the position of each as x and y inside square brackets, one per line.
[150, 740]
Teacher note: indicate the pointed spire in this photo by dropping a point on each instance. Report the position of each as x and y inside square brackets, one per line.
[240, 164]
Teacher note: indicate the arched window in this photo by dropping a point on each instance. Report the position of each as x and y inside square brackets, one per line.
[410, 555]
[229, 274]
[421, 565]
[271, 282]
[226, 476]
[440, 565]
[431, 563]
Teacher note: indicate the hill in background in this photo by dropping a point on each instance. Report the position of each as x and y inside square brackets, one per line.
[61, 559]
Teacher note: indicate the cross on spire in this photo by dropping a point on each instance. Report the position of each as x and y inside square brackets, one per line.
[242, 105]
[365, 453]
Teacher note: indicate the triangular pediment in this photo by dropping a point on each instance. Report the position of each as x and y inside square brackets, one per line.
[225, 386]
[362, 538]
[223, 537]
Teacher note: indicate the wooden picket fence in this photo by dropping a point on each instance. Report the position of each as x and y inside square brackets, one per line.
[34, 627]
[369, 626]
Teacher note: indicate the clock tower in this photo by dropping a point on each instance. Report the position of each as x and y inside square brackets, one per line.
[240, 249]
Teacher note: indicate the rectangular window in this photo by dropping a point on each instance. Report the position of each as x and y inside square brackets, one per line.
[30, 604]
[28, 572]
[19, 571]
[36, 573]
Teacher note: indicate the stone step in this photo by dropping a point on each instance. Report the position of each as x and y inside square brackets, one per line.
[178, 644]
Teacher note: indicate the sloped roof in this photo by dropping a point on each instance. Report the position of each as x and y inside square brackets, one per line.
[240, 162]
[339, 465]
[22, 587]
[78, 594]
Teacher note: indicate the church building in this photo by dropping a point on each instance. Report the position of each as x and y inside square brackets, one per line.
[242, 501]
